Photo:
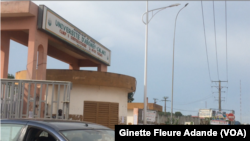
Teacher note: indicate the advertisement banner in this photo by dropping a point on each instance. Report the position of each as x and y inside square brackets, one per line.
[218, 122]
[219, 115]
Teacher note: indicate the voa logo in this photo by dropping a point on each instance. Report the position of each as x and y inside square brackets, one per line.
[232, 132]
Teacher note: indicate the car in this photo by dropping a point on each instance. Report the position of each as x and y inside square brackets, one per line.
[53, 130]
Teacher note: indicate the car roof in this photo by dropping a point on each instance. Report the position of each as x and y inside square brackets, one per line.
[57, 124]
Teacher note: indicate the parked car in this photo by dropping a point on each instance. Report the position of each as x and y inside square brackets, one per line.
[53, 130]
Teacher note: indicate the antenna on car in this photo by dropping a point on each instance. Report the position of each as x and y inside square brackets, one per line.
[86, 124]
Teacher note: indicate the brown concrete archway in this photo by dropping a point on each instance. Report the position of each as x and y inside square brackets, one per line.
[19, 22]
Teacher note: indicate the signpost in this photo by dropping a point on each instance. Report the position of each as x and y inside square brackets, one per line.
[231, 116]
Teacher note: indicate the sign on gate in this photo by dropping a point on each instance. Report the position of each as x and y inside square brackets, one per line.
[54, 24]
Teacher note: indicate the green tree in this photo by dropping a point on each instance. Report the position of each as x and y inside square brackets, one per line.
[130, 97]
[10, 76]
[178, 114]
[165, 114]
[175, 121]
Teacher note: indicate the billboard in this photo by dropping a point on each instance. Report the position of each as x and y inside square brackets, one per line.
[205, 113]
[151, 115]
[219, 115]
[54, 24]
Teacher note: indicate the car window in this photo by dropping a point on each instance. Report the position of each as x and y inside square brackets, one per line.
[37, 134]
[10, 132]
[89, 135]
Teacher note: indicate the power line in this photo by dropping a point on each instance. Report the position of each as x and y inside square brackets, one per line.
[206, 43]
[183, 110]
[216, 43]
[205, 40]
[196, 101]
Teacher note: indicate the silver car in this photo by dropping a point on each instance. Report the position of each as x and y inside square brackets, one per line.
[53, 130]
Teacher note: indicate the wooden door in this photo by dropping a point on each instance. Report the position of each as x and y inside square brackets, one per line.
[104, 113]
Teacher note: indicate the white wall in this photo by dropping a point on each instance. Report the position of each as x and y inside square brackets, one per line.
[81, 93]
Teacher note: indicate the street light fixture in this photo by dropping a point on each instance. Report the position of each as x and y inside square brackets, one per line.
[173, 66]
[153, 14]
[146, 54]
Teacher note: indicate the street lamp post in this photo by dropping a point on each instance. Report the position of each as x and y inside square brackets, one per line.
[146, 55]
[173, 66]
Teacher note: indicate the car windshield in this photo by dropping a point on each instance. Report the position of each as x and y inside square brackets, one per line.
[89, 135]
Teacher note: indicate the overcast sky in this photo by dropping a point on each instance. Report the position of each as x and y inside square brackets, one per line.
[118, 26]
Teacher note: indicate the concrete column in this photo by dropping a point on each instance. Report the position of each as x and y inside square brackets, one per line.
[37, 45]
[5, 48]
[41, 73]
[31, 67]
[35, 41]
[102, 68]
[32, 55]
[42, 61]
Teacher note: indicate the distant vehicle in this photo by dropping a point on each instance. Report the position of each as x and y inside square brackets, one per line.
[53, 130]
[237, 123]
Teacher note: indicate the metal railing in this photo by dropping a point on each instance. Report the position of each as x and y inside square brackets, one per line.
[35, 98]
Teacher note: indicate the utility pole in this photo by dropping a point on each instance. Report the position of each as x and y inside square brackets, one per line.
[219, 92]
[165, 99]
[222, 99]
[155, 100]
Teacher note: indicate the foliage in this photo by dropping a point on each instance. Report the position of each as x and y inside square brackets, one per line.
[10, 76]
[165, 114]
[208, 121]
[130, 97]
[178, 114]
[205, 121]
[175, 121]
